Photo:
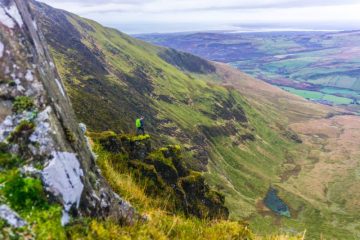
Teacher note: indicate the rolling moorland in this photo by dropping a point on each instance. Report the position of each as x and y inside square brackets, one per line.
[246, 136]
[320, 66]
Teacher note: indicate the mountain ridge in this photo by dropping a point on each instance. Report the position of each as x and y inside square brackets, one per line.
[239, 134]
[320, 66]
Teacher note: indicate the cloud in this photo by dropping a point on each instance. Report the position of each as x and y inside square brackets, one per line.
[212, 13]
[90, 6]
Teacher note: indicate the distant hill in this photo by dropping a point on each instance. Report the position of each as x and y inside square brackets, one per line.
[321, 66]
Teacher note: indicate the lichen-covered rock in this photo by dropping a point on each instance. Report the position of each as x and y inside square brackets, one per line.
[38, 124]
[62, 177]
[11, 217]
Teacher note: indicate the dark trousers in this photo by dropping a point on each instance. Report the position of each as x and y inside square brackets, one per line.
[140, 129]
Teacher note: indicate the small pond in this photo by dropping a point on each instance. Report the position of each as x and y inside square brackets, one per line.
[273, 202]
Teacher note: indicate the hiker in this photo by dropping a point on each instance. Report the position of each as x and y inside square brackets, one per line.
[140, 126]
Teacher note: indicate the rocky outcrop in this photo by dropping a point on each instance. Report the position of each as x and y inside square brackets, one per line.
[37, 122]
[163, 173]
[187, 62]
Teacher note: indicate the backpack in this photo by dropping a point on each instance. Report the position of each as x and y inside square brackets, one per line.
[138, 123]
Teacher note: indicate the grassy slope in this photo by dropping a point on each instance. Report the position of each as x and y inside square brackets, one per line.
[161, 223]
[327, 160]
[112, 78]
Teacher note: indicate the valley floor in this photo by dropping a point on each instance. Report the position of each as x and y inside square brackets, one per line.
[323, 171]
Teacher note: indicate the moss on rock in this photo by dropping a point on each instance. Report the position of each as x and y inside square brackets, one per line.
[20, 137]
[23, 193]
[22, 131]
[70, 136]
[23, 103]
[9, 161]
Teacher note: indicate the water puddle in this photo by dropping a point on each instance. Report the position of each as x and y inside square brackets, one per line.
[275, 204]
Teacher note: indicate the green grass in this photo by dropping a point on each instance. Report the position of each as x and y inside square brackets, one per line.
[23, 103]
[160, 224]
[342, 92]
[183, 108]
[319, 96]
[27, 196]
[193, 105]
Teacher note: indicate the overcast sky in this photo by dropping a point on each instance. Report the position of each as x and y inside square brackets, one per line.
[145, 16]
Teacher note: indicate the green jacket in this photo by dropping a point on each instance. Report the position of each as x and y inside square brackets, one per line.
[138, 123]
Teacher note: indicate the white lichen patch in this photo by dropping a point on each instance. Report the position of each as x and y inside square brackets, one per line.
[2, 47]
[10, 123]
[29, 76]
[30, 170]
[62, 177]
[36, 88]
[5, 19]
[35, 25]
[83, 129]
[20, 88]
[60, 86]
[42, 135]
[11, 217]
[13, 11]
[65, 218]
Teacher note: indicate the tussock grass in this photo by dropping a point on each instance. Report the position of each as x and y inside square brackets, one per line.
[160, 224]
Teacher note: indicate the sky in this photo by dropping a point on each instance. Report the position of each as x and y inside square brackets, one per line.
[150, 16]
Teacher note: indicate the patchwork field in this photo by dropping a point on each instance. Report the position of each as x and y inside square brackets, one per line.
[320, 66]
[320, 96]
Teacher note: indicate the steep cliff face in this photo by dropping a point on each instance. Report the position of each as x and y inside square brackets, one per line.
[40, 138]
